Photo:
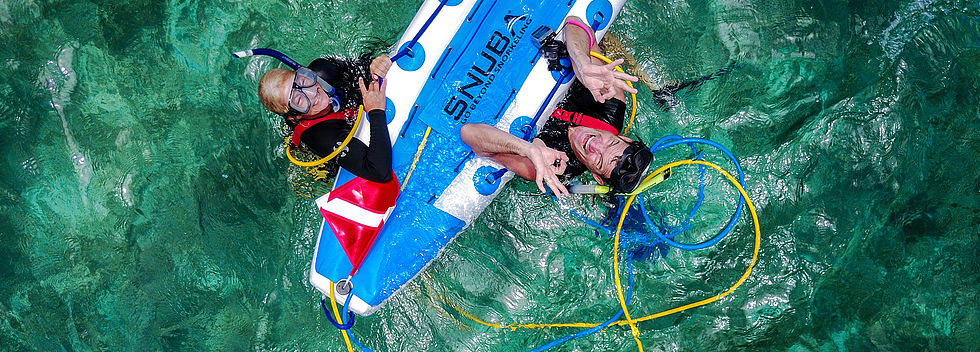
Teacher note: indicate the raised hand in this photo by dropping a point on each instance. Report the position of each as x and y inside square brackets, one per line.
[380, 66]
[373, 95]
[603, 81]
[548, 164]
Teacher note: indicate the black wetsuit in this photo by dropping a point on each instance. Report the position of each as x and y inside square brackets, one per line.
[554, 134]
[372, 163]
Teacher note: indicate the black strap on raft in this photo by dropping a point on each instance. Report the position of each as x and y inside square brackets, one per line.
[350, 317]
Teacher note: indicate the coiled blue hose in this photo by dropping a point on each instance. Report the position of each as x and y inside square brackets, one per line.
[343, 325]
[673, 140]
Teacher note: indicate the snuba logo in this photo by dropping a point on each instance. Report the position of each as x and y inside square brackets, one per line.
[492, 57]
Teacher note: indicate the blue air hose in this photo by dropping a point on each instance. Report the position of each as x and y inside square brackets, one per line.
[349, 332]
[418, 35]
[344, 326]
[358, 343]
[670, 141]
[686, 224]
[268, 52]
[346, 309]
[586, 220]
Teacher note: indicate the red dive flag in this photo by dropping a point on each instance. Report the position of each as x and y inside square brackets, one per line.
[355, 212]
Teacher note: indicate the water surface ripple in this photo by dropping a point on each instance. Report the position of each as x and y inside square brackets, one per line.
[146, 204]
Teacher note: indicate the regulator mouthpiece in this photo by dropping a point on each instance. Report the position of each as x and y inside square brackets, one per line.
[588, 189]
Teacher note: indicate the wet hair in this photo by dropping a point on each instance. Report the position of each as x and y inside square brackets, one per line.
[342, 73]
[269, 89]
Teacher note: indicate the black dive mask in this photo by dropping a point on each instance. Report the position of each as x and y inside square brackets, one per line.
[632, 166]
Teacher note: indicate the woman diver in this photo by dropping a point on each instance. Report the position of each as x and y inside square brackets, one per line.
[320, 102]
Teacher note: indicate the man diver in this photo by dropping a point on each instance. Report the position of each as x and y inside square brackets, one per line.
[583, 133]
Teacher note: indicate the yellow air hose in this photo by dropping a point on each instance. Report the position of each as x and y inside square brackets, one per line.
[336, 151]
[415, 160]
[336, 314]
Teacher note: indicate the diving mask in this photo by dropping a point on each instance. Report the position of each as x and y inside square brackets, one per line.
[632, 166]
[302, 96]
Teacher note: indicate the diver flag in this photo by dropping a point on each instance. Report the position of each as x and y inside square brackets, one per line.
[355, 212]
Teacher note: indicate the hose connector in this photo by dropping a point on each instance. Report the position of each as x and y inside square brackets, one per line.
[588, 189]
[343, 287]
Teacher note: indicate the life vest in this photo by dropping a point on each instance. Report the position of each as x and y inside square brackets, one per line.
[584, 120]
[305, 124]
[356, 211]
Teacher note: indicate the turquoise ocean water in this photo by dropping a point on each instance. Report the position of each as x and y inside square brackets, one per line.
[146, 204]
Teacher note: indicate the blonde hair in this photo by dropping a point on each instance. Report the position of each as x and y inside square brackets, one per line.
[269, 90]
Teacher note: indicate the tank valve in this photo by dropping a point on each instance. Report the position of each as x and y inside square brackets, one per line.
[343, 287]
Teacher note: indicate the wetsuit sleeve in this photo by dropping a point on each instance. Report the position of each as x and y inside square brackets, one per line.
[372, 163]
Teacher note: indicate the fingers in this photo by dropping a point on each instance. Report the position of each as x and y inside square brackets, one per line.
[556, 186]
[380, 60]
[539, 178]
[561, 169]
[365, 97]
[608, 94]
[371, 87]
[625, 76]
[558, 168]
[617, 62]
[620, 77]
[562, 165]
[622, 85]
[372, 95]
[553, 183]
[380, 65]
[548, 164]
[598, 97]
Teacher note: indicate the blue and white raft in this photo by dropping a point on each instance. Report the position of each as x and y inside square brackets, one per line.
[459, 61]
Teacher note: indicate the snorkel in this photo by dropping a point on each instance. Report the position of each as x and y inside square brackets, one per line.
[335, 95]
[268, 52]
